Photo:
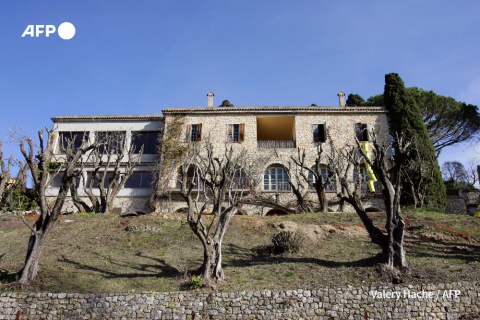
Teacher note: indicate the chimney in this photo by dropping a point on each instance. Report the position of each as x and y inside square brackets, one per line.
[210, 96]
[341, 98]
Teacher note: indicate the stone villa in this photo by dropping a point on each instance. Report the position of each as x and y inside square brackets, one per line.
[277, 131]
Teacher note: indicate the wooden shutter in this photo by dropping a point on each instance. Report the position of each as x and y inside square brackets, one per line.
[358, 131]
[241, 132]
[316, 133]
[229, 132]
[187, 135]
[199, 132]
[324, 132]
[369, 132]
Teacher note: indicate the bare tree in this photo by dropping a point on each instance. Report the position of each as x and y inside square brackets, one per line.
[213, 183]
[296, 175]
[388, 170]
[313, 175]
[42, 174]
[454, 173]
[416, 184]
[4, 174]
[471, 170]
[110, 165]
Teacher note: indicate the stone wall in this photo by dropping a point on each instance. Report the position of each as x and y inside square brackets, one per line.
[461, 202]
[121, 204]
[444, 301]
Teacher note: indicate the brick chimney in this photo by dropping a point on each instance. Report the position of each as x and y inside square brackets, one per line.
[210, 96]
[341, 98]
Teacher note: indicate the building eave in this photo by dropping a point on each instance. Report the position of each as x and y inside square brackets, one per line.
[94, 118]
[279, 110]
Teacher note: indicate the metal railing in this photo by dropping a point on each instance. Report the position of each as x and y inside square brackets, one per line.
[197, 183]
[237, 183]
[276, 186]
[276, 144]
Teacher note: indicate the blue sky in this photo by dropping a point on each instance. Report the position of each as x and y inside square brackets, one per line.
[139, 57]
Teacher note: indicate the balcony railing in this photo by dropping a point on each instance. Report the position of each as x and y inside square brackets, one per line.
[237, 183]
[275, 144]
[197, 183]
[241, 183]
[276, 186]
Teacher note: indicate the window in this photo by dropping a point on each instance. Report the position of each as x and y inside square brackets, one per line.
[139, 179]
[111, 142]
[108, 178]
[57, 180]
[146, 139]
[320, 132]
[276, 178]
[364, 131]
[192, 178]
[240, 180]
[235, 132]
[325, 173]
[77, 138]
[194, 132]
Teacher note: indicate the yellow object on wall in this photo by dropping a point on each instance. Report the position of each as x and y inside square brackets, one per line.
[371, 174]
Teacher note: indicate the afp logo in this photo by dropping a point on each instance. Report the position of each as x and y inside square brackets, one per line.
[66, 30]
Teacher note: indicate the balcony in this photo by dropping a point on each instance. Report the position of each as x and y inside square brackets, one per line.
[276, 144]
[276, 132]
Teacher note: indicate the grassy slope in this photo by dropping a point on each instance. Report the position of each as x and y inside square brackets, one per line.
[95, 254]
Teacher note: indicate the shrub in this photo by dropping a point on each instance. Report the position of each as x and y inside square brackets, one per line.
[196, 282]
[288, 241]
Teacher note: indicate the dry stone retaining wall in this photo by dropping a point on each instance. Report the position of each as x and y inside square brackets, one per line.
[448, 301]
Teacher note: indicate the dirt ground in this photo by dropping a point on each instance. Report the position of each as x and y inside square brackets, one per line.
[98, 254]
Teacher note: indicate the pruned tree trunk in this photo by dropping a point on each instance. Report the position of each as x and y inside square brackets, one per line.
[211, 268]
[42, 175]
[35, 246]
[4, 174]
[388, 170]
[215, 188]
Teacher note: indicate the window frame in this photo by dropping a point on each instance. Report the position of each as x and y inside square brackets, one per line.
[142, 186]
[61, 141]
[191, 128]
[332, 186]
[135, 134]
[117, 149]
[231, 132]
[272, 183]
[321, 128]
[364, 131]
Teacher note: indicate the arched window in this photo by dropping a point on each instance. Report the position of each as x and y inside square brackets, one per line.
[325, 173]
[276, 178]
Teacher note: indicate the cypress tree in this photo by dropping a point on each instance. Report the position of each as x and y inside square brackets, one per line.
[405, 117]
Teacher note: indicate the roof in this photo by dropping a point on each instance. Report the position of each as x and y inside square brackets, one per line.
[147, 117]
[288, 109]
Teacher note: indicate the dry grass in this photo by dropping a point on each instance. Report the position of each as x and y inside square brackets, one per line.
[96, 254]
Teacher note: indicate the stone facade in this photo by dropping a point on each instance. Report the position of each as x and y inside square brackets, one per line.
[292, 124]
[444, 301]
[340, 129]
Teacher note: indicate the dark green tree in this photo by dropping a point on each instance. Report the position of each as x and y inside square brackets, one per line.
[375, 101]
[405, 118]
[448, 121]
[226, 103]
[355, 100]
